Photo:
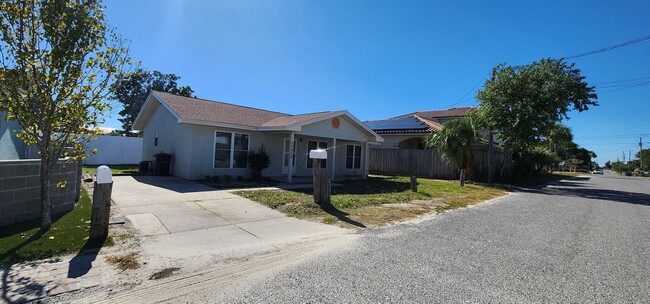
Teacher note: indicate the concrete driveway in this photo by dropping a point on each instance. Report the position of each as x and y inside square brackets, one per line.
[184, 220]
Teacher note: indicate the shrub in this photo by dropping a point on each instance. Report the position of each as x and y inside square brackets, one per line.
[258, 161]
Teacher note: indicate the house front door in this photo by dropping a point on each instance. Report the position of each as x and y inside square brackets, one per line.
[285, 157]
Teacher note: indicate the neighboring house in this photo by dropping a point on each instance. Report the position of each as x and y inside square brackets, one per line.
[208, 138]
[11, 147]
[409, 131]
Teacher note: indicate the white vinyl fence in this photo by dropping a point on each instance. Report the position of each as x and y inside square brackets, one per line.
[115, 150]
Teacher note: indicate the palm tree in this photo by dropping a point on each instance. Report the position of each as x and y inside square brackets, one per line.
[558, 133]
[456, 140]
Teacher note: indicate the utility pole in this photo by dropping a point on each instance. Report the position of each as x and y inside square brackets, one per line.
[490, 163]
[629, 160]
[641, 153]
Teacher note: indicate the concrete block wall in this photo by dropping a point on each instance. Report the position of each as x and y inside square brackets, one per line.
[20, 189]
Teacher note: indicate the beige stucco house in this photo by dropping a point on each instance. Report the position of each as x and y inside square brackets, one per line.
[214, 138]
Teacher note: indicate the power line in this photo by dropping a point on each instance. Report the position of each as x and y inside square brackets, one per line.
[634, 135]
[624, 88]
[608, 48]
[626, 84]
[623, 80]
[470, 90]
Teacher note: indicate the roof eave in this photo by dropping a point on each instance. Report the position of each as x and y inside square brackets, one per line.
[217, 124]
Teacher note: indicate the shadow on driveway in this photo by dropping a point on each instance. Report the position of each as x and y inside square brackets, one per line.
[577, 190]
[173, 183]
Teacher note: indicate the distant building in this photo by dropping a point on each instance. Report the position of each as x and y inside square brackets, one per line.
[11, 147]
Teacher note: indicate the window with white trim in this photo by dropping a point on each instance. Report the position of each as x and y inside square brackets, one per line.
[353, 157]
[230, 150]
[313, 145]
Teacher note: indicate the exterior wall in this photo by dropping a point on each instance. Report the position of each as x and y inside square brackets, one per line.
[20, 189]
[10, 146]
[202, 152]
[392, 141]
[114, 150]
[345, 131]
[173, 138]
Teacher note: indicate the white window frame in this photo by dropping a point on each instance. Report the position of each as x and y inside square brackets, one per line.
[232, 148]
[309, 161]
[353, 157]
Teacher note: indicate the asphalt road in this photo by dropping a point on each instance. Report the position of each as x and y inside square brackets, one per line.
[579, 240]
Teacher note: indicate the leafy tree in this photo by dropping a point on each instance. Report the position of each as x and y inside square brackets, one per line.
[644, 156]
[456, 141]
[133, 88]
[57, 60]
[608, 165]
[524, 103]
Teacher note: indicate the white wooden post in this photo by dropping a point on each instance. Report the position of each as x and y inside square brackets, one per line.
[291, 156]
[333, 157]
[366, 161]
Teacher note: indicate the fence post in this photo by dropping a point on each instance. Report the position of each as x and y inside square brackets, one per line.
[101, 204]
[462, 177]
[414, 183]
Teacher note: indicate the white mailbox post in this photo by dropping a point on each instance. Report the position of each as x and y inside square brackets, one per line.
[101, 204]
[322, 185]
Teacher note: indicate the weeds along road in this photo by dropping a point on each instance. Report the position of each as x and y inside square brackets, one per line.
[585, 239]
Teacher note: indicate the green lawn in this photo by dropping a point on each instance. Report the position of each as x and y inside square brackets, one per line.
[116, 169]
[376, 201]
[24, 242]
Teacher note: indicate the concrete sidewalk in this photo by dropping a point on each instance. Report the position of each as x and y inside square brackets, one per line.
[30, 281]
[186, 223]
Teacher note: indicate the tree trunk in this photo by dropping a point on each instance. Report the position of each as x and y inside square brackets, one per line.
[46, 205]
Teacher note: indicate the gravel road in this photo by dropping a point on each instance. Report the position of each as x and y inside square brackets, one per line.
[585, 239]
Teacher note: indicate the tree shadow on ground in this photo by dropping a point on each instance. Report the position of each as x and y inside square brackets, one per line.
[597, 194]
[27, 289]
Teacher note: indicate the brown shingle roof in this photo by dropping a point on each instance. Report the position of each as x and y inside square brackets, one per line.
[195, 109]
[293, 119]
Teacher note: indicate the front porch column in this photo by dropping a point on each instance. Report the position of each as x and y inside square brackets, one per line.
[291, 156]
[333, 157]
[366, 161]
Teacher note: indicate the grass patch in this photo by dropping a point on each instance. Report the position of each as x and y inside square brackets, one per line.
[376, 201]
[125, 261]
[116, 169]
[69, 233]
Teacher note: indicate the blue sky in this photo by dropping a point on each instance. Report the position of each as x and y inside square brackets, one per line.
[380, 59]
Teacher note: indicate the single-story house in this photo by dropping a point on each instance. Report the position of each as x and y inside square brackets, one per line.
[208, 138]
[410, 130]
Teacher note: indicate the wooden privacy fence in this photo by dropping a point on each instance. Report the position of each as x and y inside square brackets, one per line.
[429, 163]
